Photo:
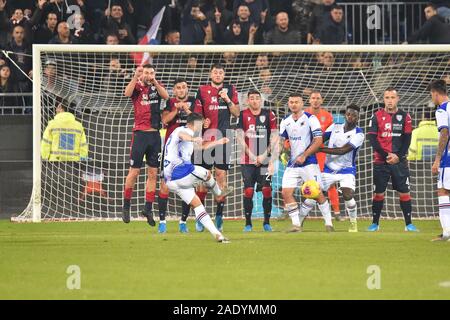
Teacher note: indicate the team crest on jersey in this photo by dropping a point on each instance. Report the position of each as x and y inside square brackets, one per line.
[153, 88]
[251, 127]
[399, 117]
[262, 118]
[302, 124]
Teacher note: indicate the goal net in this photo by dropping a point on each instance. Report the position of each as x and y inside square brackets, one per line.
[91, 79]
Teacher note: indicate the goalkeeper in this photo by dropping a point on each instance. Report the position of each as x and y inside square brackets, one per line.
[64, 138]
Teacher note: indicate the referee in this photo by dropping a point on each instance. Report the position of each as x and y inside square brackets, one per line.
[390, 136]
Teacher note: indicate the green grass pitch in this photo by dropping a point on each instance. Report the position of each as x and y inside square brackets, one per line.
[119, 261]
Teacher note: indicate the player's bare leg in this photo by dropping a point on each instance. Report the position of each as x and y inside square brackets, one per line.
[204, 218]
[130, 181]
[350, 206]
[150, 189]
[221, 178]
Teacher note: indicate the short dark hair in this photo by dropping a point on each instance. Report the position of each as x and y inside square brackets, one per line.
[178, 80]
[316, 91]
[217, 66]
[148, 66]
[440, 86]
[353, 106]
[172, 31]
[432, 5]
[390, 89]
[337, 7]
[62, 104]
[244, 5]
[253, 91]
[295, 94]
[194, 116]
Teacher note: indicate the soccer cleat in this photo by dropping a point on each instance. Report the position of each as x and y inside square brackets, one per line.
[353, 227]
[226, 191]
[219, 223]
[149, 216]
[295, 229]
[248, 228]
[183, 228]
[441, 238]
[126, 215]
[267, 227]
[199, 226]
[411, 228]
[329, 228]
[221, 239]
[373, 227]
[162, 228]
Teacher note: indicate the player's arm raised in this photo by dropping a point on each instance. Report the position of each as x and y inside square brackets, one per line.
[234, 108]
[168, 115]
[161, 90]
[132, 84]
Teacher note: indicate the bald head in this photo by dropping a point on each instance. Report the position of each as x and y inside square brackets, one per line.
[282, 21]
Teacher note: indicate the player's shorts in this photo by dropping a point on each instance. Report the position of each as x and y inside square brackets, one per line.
[253, 174]
[185, 187]
[295, 177]
[399, 173]
[146, 143]
[444, 178]
[345, 180]
[219, 157]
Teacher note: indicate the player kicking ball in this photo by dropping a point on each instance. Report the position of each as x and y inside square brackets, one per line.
[182, 177]
[340, 167]
[305, 138]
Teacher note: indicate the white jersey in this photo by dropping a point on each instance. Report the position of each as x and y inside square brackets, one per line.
[344, 163]
[177, 155]
[443, 121]
[300, 133]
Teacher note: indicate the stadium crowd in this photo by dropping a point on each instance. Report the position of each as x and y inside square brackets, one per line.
[26, 22]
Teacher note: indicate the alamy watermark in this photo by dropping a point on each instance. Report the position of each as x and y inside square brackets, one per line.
[73, 281]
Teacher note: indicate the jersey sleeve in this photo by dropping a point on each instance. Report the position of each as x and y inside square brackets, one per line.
[373, 125]
[198, 102]
[357, 140]
[327, 133]
[408, 124]
[234, 95]
[272, 121]
[441, 119]
[283, 132]
[136, 90]
[240, 123]
[314, 124]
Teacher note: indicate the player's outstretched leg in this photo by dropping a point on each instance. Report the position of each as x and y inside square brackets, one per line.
[206, 221]
[201, 193]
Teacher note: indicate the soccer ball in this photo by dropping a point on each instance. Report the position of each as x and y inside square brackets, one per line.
[311, 189]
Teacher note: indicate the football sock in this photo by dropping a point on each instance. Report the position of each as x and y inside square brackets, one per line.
[149, 198]
[185, 210]
[377, 206]
[205, 220]
[305, 208]
[326, 213]
[212, 184]
[351, 207]
[219, 211]
[267, 207]
[248, 208]
[406, 206]
[293, 212]
[127, 194]
[162, 206]
[444, 215]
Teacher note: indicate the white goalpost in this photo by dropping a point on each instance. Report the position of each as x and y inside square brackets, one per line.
[91, 80]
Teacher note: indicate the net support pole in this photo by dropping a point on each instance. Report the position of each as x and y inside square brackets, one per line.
[36, 193]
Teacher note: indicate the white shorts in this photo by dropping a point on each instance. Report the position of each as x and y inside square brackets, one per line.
[444, 178]
[185, 187]
[346, 180]
[295, 177]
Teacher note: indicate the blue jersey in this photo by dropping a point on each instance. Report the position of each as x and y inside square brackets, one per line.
[443, 121]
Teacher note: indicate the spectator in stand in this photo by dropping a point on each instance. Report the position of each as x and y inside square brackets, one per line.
[116, 77]
[7, 85]
[442, 8]
[113, 22]
[19, 19]
[3, 24]
[45, 32]
[243, 17]
[435, 30]
[318, 15]
[282, 33]
[63, 36]
[172, 37]
[233, 35]
[332, 30]
[301, 12]
[193, 24]
[112, 39]
[262, 61]
[21, 47]
[257, 8]
[61, 7]
[82, 31]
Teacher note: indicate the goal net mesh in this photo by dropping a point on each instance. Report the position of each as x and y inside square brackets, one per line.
[93, 85]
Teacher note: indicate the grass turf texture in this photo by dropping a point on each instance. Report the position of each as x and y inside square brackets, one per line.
[133, 261]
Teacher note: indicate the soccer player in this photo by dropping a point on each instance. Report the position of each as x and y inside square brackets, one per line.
[182, 176]
[343, 146]
[174, 115]
[255, 136]
[305, 138]
[390, 136]
[146, 93]
[326, 119]
[439, 95]
[218, 101]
